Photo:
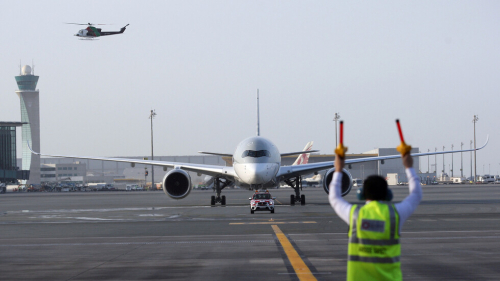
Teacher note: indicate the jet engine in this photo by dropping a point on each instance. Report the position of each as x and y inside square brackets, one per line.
[177, 184]
[346, 181]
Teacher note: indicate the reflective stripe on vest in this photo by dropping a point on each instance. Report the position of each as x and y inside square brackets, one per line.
[373, 260]
[374, 248]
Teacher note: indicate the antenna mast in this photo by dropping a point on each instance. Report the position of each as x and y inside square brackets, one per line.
[258, 114]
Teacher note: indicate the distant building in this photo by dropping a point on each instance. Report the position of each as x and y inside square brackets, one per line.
[30, 116]
[58, 172]
[9, 171]
[396, 165]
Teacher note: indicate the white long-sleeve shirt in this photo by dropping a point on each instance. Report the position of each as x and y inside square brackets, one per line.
[405, 208]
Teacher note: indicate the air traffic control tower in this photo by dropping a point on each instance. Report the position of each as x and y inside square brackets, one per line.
[30, 113]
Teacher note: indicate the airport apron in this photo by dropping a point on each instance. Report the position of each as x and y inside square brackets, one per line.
[374, 248]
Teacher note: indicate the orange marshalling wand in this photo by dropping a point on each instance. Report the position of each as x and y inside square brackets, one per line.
[403, 148]
[341, 149]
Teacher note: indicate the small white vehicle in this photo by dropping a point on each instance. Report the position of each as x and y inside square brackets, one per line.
[261, 201]
[357, 182]
[133, 187]
[487, 179]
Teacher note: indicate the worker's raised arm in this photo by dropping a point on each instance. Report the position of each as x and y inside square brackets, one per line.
[406, 207]
[339, 205]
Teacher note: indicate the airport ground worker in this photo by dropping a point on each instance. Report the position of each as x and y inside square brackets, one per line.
[374, 228]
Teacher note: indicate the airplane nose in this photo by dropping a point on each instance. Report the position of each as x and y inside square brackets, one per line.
[258, 173]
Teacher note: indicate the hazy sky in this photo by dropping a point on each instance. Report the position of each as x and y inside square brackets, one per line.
[433, 64]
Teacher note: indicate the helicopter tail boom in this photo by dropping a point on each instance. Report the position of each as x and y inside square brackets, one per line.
[123, 28]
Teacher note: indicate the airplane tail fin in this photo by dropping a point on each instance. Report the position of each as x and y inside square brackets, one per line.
[123, 28]
[304, 158]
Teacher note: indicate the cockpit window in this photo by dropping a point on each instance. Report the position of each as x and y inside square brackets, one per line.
[256, 153]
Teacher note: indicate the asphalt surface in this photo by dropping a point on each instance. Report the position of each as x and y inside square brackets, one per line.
[454, 235]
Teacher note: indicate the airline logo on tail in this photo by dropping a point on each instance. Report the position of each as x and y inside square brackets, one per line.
[304, 158]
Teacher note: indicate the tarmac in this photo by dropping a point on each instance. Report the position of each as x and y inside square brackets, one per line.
[453, 235]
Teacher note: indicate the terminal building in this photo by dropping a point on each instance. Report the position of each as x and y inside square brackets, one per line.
[30, 117]
[60, 172]
[9, 170]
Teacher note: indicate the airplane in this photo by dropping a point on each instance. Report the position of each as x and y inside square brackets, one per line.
[91, 32]
[256, 165]
[301, 159]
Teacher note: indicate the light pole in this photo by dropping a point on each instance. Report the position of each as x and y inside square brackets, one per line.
[152, 116]
[443, 160]
[474, 120]
[471, 158]
[428, 167]
[452, 161]
[336, 118]
[419, 164]
[435, 161]
[461, 160]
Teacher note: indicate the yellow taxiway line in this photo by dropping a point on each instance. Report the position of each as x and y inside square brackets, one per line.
[303, 272]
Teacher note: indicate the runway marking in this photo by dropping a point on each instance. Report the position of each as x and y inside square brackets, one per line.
[96, 219]
[272, 222]
[216, 242]
[135, 243]
[301, 269]
[403, 232]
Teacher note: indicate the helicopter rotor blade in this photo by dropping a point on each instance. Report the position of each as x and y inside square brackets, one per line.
[76, 23]
[88, 23]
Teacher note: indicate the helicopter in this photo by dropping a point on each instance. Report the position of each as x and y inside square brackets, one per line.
[92, 32]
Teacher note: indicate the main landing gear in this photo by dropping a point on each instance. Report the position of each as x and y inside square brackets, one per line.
[219, 185]
[296, 184]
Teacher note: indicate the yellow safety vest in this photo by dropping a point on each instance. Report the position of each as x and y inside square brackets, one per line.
[374, 248]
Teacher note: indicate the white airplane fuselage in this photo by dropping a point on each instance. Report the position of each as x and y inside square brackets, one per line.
[256, 161]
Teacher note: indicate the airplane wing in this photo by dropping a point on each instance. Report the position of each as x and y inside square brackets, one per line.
[215, 153]
[293, 171]
[212, 170]
[298, 152]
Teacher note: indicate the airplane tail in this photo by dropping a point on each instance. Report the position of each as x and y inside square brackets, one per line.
[304, 158]
[123, 28]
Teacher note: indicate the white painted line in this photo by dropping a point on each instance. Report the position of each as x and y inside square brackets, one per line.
[137, 243]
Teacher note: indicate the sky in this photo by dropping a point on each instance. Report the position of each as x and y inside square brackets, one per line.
[432, 64]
